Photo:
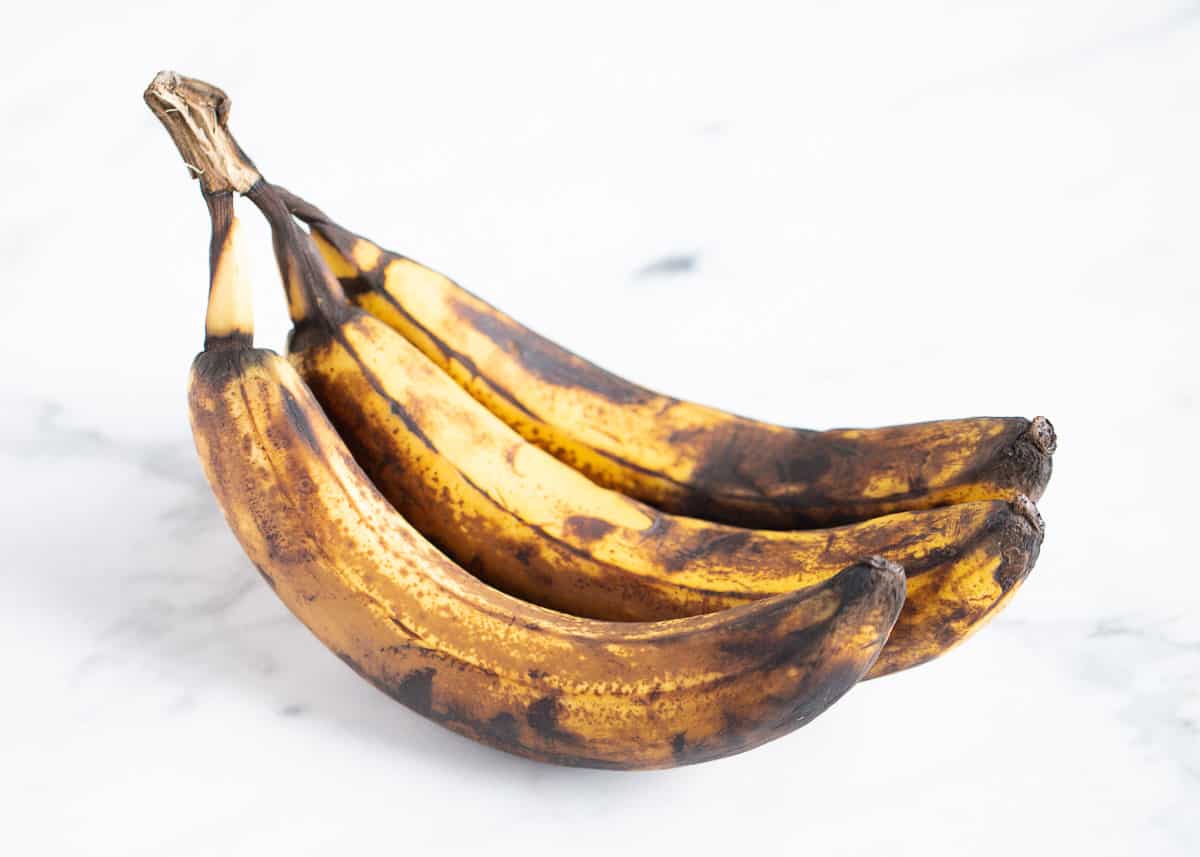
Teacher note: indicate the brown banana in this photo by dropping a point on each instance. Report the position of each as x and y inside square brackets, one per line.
[679, 456]
[518, 677]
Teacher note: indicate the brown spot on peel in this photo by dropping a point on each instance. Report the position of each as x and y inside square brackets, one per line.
[588, 529]
[542, 718]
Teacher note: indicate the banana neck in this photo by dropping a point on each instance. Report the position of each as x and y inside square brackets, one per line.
[361, 262]
[229, 320]
[314, 296]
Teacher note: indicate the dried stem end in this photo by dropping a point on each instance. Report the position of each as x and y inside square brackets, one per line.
[195, 114]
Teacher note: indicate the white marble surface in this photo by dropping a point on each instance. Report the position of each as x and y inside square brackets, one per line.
[889, 212]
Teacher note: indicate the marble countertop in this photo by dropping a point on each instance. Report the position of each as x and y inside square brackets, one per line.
[864, 214]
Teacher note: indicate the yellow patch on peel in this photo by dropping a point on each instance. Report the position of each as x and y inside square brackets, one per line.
[338, 264]
[230, 297]
[403, 276]
[551, 480]
[366, 255]
[298, 307]
[885, 485]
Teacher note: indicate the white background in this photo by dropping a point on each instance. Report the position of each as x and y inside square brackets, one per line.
[894, 211]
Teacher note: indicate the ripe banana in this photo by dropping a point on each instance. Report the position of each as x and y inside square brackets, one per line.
[520, 678]
[678, 456]
[532, 526]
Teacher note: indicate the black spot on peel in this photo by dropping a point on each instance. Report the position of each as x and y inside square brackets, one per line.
[352, 287]
[542, 718]
[679, 746]
[586, 528]
[503, 729]
[416, 691]
[299, 420]
[538, 674]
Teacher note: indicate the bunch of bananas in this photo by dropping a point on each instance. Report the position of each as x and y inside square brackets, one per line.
[550, 559]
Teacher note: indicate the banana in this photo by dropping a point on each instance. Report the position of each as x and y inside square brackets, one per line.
[532, 526]
[678, 456]
[518, 677]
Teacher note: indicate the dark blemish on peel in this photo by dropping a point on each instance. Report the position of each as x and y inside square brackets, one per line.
[299, 420]
[803, 468]
[542, 717]
[586, 528]
[416, 691]
[679, 746]
[503, 728]
[828, 689]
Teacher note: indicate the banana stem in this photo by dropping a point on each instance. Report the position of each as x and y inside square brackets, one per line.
[196, 115]
[343, 240]
[229, 322]
[313, 293]
[301, 208]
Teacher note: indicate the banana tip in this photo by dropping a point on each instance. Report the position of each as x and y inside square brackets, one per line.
[1041, 434]
[881, 564]
[1025, 507]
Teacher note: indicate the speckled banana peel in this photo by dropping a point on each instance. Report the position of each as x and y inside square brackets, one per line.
[534, 527]
[523, 679]
[518, 677]
[678, 456]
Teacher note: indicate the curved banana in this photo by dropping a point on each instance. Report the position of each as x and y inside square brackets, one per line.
[520, 678]
[532, 526]
[678, 456]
